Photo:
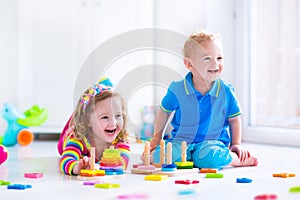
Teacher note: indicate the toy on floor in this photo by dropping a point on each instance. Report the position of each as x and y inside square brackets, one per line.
[33, 175]
[265, 197]
[112, 162]
[284, 175]
[214, 175]
[18, 187]
[244, 180]
[3, 154]
[93, 173]
[106, 185]
[168, 166]
[2, 182]
[155, 177]
[17, 124]
[208, 170]
[91, 183]
[133, 196]
[165, 167]
[186, 182]
[184, 164]
[295, 189]
[146, 165]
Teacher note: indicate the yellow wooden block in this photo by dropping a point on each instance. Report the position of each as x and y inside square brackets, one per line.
[90, 172]
[155, 177]
[106, 185]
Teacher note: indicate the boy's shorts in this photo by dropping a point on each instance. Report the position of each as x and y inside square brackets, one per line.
[206, 154]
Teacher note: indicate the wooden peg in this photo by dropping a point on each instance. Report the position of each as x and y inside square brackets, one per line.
[147, 153]
[162, 152]
[169, 153]
[183, 151]
[92, 158]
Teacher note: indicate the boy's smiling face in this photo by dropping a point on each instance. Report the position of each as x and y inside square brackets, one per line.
[207, 61]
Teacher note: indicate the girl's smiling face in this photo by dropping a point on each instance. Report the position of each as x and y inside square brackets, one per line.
[107, 120]
[207, 61]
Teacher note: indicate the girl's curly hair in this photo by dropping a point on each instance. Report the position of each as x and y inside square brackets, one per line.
[81, 116]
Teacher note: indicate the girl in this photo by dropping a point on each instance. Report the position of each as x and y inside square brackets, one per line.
[99, 121]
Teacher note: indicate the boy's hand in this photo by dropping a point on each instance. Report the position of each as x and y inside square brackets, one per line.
[142, 157]
[242, 153]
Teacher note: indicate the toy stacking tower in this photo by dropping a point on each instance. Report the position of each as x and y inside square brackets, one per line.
[112, 162]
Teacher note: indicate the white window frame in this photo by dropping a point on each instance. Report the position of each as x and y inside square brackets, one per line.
[267, 135]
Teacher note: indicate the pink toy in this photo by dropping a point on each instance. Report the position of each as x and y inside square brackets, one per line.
[3, 154]
[33, 175]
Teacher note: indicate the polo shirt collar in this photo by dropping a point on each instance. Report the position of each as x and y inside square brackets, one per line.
[189, 87]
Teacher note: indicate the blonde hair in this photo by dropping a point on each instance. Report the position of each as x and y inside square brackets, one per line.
[81, 116]
[197, 38]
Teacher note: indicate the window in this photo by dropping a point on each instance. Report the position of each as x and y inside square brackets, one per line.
[268, 34]
[275, 63]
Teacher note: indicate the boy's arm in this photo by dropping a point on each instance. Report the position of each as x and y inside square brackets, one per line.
[161, 120]
[236, 130]
[236, 138]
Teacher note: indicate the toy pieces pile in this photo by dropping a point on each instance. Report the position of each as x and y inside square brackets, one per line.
[112, 162]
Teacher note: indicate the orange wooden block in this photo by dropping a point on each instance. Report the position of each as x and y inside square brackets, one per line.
[208, 170]
[284, 175]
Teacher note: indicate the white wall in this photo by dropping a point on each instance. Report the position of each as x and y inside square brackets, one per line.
[8, 55]
[183, 17]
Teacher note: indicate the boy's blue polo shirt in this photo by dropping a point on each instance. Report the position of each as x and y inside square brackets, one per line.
[197, 117]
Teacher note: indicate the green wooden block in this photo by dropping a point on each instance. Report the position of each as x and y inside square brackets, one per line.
[214, 175]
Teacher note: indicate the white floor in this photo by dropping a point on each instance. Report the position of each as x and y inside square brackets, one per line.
[42, 156]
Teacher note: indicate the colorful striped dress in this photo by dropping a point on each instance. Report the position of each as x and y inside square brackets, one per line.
[73, 150]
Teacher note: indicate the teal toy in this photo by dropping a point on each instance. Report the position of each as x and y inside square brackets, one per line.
[17, 124]
[147, 129]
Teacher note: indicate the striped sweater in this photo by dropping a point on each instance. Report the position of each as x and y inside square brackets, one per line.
[74, 150]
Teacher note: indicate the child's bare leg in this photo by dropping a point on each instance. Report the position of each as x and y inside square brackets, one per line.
[236, 162]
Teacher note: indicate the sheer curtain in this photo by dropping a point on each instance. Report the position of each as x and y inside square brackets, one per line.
[275, 63]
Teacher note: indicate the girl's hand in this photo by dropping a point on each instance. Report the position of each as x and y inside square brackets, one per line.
[84, 163]
[242, 153]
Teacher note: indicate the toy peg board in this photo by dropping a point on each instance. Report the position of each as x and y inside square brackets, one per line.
[178, 172]
[99, 178]
[143, 171]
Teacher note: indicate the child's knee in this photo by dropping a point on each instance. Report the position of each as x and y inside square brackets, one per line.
[211, 156]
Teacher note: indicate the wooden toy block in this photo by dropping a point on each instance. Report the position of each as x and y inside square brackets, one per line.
[106, 185]
[2, 182]
[208, 170]
[244, 180]
[284, 175]
[184, 165]
[143, 171]
[90, 172]
[265, 197]
[33, 175]
[92, 183]
[295, 189]
[186, 182]
[18, 187]
[178, 172]
[214, 175]
[155, 177]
